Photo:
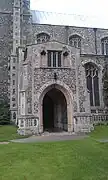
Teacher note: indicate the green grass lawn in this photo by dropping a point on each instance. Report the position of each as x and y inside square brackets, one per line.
[69, 160]
[8, 133]
[101, 132]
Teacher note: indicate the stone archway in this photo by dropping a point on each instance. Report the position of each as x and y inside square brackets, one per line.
[67, 93]
[54, 111]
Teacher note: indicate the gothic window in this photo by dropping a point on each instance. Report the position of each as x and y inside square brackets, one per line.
[104, 44]
[75, 41]
[54, 58]
[92, 84]
[42, 37]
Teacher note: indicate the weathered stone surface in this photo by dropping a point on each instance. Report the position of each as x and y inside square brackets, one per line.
[5, 50]
[70, 80]
[42, 76]
[31, 74]
[87, 36]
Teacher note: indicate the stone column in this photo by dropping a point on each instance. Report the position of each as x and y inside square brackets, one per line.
[70, 118]
[13, 62]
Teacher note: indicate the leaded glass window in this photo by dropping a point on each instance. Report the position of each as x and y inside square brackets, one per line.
[42, 38]
[104, 44]
[75, 41]
[92, 83]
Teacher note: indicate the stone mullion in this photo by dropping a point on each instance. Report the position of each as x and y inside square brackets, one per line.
[104, 48]
[100, 88]
[51, 59]
[56, 59]
[93, 89]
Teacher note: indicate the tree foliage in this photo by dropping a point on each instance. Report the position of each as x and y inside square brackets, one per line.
[4, 113]
[105, 85]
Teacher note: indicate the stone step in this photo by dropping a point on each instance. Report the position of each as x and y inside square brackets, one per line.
[56, 133]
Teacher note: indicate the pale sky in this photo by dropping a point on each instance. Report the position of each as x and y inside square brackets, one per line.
[79, 7]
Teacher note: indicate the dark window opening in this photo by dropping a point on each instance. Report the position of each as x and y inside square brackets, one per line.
[49, 59]
[59, 59]
[104, 46]
[92, 84]
[107, 48]
[75, 41]
[54, 58]
[42, 38]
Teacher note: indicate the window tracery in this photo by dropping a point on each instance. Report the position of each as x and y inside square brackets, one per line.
[75, 41]
[42, 38]
[104, 44]
[92, 83]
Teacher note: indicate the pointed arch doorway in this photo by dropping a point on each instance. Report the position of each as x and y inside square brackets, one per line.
[56, 110]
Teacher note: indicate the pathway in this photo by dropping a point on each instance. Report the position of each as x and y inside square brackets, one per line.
[47, 138]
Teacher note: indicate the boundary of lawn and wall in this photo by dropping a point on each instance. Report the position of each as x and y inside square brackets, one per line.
[8, 133]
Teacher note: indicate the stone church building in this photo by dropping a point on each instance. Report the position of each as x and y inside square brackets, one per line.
[51, 74]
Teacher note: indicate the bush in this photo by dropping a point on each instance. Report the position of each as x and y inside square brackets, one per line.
[4, 113]
[105, 85]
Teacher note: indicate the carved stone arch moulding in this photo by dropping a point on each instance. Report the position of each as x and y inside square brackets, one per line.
[41, 32]
[68, 95]
[104, 37]
[100, 67]
[42, 37]
[75, 40]
[76, 34]
[59, 85]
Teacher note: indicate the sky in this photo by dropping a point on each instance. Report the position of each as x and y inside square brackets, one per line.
[94, 12]
[78, 7]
